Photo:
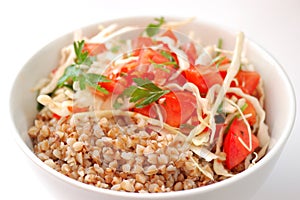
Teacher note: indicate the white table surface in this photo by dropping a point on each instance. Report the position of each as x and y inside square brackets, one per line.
[26, 26]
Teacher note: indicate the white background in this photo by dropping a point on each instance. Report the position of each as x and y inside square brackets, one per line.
[26, 26]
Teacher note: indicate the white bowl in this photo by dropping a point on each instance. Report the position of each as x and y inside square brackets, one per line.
[280, 111]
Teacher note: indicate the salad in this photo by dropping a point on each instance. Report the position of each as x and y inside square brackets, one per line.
[150, 110]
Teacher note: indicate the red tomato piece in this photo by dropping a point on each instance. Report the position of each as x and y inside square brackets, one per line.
[148, 55]
[148, 111]
[109, 86]
[145, 56]
[158, 58]
[120, 78]
[178, 107]
[131, 65]
[187, 104]
[202, 81]
[160, 76]
[235, 151]
[223, 74]
[191, 52]
[248, 81]
[56, 116]
[169, 33]
[250, 110]
[192, 75]
[94, 48]
[142, 42]
[212, 78]
[171, 110]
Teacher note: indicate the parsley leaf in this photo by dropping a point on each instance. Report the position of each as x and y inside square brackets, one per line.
[92, 80]
[152, 29]
[142, 94]
[75, 73]
[71, 72]
[82, 57]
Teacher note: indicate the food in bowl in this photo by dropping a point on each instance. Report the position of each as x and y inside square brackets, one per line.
[150, 111]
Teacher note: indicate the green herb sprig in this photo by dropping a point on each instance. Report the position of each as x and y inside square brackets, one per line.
[75, 72]
[82, 57]
[153, 29]
[142, 94]
[220, 45]
[218, 60]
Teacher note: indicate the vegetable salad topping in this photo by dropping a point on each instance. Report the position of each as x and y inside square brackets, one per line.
[209, 98]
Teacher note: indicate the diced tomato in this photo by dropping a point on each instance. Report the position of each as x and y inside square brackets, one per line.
[119, 79]
[212, 78]
[180, 79]
[169, 33]
[94, 48]
[191, 52]
[235, 151]
[148, 111]
[148, 75]
[109, 86]
[148, 55]
[56, 116]
[192, 75]
[223, 73]
[178, 107]
[203, 81]
[142, 42]
[171, 109]
[250, 110]
[248, 81]
[145, 56]
[187, 104]
[129, 66]
[135, 52]
[114, 73]
[160, 76]
[158, 58]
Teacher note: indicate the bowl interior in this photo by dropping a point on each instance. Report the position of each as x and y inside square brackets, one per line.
[279, 96]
